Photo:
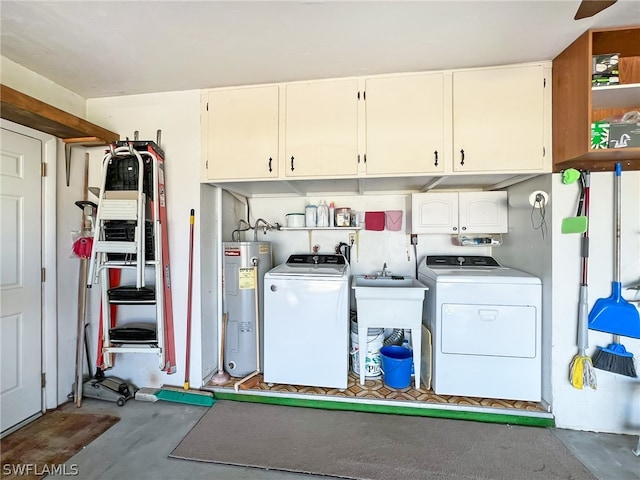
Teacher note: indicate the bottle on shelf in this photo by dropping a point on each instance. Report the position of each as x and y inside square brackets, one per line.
[332, 215]
[323, 214]
[310, 216]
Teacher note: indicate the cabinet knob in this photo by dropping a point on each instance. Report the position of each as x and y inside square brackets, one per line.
[455, 229]
[435, 157]
[464, 228]
[292, 163]
[270, 169]
[462, 157]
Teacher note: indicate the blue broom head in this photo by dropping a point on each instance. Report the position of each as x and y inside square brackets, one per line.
[615, 358]
[616, 349]
[615, 315]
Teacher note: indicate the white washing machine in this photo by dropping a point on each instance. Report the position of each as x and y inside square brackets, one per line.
[485, 322]
[306, 321]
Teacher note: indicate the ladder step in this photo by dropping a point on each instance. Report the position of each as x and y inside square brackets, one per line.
[115, 247]
[130, 295]
[134, 333]
[119, 210]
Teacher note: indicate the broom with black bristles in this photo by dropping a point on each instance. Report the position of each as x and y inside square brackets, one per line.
[614, 314]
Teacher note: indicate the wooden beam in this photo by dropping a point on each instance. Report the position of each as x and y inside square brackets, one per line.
[31, 112]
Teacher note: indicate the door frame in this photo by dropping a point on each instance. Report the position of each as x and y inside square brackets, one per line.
[48, 260]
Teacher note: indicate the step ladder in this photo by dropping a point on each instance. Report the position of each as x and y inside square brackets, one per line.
[131, 233]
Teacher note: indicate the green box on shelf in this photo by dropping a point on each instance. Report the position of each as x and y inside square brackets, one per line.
[600, 135]
[624, 135]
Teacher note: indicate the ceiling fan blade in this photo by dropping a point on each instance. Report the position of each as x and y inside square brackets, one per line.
[588, 8]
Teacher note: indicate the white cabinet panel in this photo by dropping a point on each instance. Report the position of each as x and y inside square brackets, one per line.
[498, 119]
[405, 124]
[321, 132]
[241, 133]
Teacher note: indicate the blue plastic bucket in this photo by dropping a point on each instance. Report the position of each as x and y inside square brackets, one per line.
[396, 366]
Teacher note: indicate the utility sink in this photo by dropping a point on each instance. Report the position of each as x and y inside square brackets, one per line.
[389, 301]
[393, 287]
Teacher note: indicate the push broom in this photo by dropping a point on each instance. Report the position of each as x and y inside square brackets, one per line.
[185, 395]
[614, 314]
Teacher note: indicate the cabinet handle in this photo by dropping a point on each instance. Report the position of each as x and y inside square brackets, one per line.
[462, 157]
[292, 163]
[365, 158]
[455, 229]
[435, 154]
[464, 228]
[270, 160]
[358, 158]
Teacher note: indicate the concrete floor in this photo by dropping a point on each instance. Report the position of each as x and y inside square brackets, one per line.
[139, 444]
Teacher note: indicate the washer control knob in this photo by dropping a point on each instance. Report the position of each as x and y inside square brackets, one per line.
[460, 260]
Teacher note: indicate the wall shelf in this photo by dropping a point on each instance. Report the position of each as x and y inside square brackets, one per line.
[321, 228]
[19, 108]
[615, 96]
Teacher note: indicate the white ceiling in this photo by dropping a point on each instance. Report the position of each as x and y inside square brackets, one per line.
[112, 48]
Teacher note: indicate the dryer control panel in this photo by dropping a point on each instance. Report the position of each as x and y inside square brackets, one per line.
[461, 261]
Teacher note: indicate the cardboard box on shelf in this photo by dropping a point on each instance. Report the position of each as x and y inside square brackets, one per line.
[605, 70]
[624, 135]
[600, 135]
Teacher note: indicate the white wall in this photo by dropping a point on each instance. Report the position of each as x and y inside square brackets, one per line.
[615, 405]
[527, 247]
[177, 115]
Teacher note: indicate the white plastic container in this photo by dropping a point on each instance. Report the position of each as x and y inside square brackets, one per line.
[310, 216]
[373, 361]
[322, 214]
[295, 220]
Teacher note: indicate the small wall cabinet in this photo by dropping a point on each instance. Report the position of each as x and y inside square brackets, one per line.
[576, 105]
[240, 133]
[459, 212]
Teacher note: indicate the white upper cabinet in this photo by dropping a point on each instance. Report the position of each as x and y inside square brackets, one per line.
[404, 124]
[499, 119]
[321, 128]
[240, 133]
[459, 213]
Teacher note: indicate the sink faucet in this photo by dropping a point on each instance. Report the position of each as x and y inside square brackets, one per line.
[384, 270]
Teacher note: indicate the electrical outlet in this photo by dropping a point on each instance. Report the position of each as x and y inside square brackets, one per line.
[352, 238]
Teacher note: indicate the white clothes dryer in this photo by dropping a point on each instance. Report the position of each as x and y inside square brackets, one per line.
[485, 321]
[306, 321]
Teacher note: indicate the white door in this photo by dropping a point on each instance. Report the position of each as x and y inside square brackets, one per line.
[20, 286]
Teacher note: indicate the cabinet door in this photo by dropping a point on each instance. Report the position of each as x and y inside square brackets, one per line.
[482, 212]
[498, 119]
[242, 133]
[404, 124]
[434, 212]
[321, 132]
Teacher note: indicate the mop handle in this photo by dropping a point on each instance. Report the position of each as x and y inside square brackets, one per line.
[189, 301]
[617, 204]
